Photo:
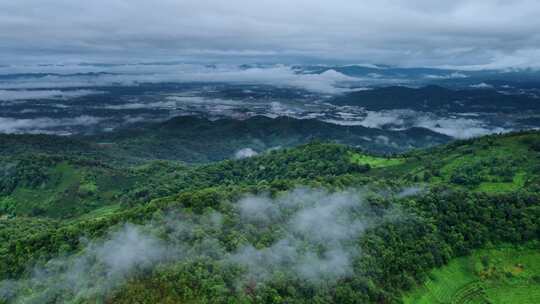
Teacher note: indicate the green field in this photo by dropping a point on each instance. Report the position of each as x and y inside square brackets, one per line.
[375, 162]
[502, 275]
[518, 181]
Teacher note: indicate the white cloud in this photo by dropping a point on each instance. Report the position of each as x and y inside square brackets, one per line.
[8, 95]
[278, 75]
[245, 153]
[454, 75]
[140, 105]
[481, 85]
[505, 60]
[306, 250]
[102, 266]
[457, 127]
[204, 101]
[43, 124]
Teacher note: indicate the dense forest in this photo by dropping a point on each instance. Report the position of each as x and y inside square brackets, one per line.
[319, 222]
[194, 139]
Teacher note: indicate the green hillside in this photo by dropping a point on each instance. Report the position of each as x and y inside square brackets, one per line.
[381, 229]
[499, 275]
[59, 187]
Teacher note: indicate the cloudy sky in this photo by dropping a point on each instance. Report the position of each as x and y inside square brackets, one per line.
[482, 33]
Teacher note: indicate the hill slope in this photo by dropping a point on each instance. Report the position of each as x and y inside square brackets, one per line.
[316, 223]
[221, 139]
[198, 140]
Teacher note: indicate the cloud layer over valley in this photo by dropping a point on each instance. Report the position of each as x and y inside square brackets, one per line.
[68, 98]
[454, 125]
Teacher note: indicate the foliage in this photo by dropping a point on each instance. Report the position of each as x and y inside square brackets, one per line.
[453, 205]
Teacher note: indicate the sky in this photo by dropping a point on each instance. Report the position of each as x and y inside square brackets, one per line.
[473, 33]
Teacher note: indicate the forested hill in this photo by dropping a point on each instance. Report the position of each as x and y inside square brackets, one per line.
[193, 139]
[197, 140]
[435, 97]
[316, 223]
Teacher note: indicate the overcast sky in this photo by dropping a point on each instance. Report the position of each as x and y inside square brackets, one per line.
[488, 33]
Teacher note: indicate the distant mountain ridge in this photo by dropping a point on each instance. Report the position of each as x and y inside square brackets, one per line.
[437, 98]
[195, 139]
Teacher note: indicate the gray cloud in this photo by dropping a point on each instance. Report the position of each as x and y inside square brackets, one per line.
[475, 33]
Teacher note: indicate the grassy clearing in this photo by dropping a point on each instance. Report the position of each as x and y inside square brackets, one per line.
[375, 162]
[98, 213]
[486, 165]
[502, 275]
[443, 284]
[514, 294]
[517, 182]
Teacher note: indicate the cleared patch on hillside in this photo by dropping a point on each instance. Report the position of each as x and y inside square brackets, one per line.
[374, 161]
[501, 275]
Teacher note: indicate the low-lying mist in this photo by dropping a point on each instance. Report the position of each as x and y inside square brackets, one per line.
[306, 234]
